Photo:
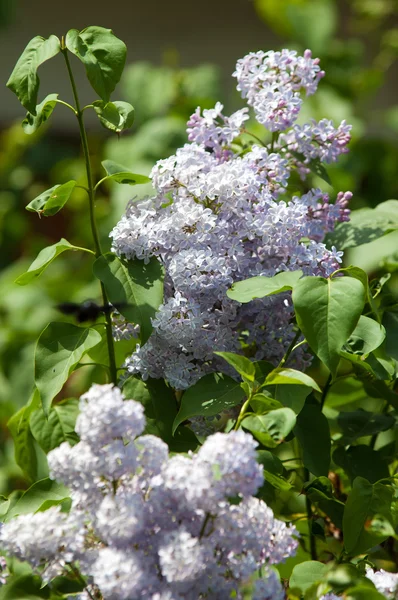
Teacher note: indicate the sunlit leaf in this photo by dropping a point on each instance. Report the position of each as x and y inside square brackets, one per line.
[50, 432]
[116, 116]
[103, 55]
[327, 312]
[59, 348]
[272, 428]
[137, 287]
[51, 201]
[24, 81]
[44, 259]
[258, 287]
[31, 123]
[241, 364]
[212, 394]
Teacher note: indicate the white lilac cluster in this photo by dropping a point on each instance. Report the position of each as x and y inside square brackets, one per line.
[146, 525]
[221, 215]
[386, 583]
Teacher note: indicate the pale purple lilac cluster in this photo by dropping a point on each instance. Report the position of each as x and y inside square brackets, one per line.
[146, 525]
[386, 583]
[222, 214]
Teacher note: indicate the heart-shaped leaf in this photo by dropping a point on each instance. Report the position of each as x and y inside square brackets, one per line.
[24, 81]
[31, 123]
[258, 287]
[240, 363]
[45, 258]
[59, 348]
[212, 394]
[271, 429]
[58, 427]
[51, 201]
[327, 312]
[136, 286]
[116, 116]
[103, 55]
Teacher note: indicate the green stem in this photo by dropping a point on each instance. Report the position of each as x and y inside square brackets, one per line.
[313, 552]
[94, 230]
[242, 413]
[66, 104]
[290, 349]
[326, 389]
[254, 136]
[274, 139]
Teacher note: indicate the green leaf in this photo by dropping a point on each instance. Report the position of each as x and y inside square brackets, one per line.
[31, 123]
[320, 493]
[160, 411]
[314, 165]
[65, 586]
[292, 396]
[24, 448]
[277, 481]
[33, 499]
[58, 427]
[284, 376]
[258, 287]
[212, 394]
[24, 81]
[137, 286]
[365, 225]
[362, 276]
[45, 258]
[327, 312]
[363, 592]
[290, 387]
[241, 364]
[365, 501]
[116, 116]
[59, 348]
[306, 574]
[103, 55]
[312, 432]
[121, 174]
[361, 461]
[24, 587]
[51, 201]
[271, 429]
[361, 423]
[366, 337]
[261, 403]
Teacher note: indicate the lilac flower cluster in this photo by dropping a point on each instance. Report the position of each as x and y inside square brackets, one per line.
[221, 214]
[272, 81]
[146, 525]
[386, 583]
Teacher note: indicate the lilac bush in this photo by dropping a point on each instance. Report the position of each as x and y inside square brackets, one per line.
[222, 213]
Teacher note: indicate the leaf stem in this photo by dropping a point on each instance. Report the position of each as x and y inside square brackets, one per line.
[326, 389]
[274, 139]
[254, 136]
[94, 230]
[313, 551]
[290, 349]
[66, 104]
[242, 413]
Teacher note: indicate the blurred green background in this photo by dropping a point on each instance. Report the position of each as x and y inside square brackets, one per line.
[180, 55]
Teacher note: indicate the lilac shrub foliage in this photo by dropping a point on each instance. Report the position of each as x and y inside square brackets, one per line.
[222, 213]
[146, 525]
